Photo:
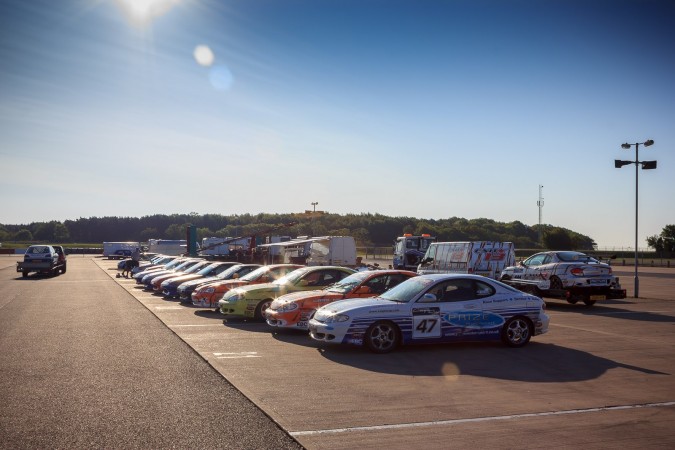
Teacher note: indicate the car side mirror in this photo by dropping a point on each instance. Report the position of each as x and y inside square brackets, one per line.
[428, 298]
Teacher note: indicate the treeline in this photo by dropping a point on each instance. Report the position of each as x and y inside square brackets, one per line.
[367, 229]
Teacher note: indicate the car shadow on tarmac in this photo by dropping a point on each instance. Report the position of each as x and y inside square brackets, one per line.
[535, 363]
[609, 311]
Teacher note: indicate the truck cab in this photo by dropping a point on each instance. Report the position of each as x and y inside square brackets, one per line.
[409, 250]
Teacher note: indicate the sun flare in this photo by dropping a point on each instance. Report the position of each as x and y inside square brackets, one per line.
[143, 11]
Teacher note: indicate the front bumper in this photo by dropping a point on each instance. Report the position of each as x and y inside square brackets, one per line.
[328, 332]
[236, 308]
[289, 319]
[170, 291]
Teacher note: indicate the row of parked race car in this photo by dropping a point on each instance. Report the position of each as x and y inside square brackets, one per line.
[380, 309]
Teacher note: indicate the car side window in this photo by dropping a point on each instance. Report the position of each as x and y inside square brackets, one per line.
[393, 280]
[326, 278]
[483, 290]
[536, 260]
[455, 291]
[377, 284]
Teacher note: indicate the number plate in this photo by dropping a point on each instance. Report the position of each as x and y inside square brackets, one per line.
[598, 297]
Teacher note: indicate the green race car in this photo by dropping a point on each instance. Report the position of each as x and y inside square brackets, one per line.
[253, 300]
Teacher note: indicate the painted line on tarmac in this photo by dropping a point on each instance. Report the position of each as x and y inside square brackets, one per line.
[204, 325]
[477, 419]
[237, 355]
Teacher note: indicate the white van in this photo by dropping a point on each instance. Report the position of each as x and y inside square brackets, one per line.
[119, 250]
[485, 258]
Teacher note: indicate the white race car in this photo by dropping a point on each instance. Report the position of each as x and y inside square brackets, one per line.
[570, 275]
[433, 308]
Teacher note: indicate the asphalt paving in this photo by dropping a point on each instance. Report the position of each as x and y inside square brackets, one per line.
[84, 365]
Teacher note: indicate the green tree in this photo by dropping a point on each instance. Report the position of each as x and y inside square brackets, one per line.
[149, 233]
[557, 239]
[664, 241]
[61, 233]
[176, 231]
[4, 234]
[23, 235]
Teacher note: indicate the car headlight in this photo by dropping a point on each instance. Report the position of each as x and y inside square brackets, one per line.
[336, 318]
[210, 290]
[233, 296]
[285, 307]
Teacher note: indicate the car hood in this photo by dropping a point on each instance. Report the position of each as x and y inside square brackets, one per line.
[355, 304]
[199, 281]
[184, 278]
[264, 287]
[305, 295]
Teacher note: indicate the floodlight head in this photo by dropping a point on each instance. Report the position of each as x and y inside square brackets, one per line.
[647, 165]
[619, 163]
[648, 142]
[626, 145]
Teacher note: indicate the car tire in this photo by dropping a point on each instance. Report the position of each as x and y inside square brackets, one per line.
[24, 274]
[517, 331]
[572, 301]
[556, 283]
[63, 270]
[505, 278]
[382, 337]
[589, 302]
[261, 308]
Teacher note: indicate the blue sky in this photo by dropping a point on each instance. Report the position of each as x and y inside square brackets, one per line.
[428, 109]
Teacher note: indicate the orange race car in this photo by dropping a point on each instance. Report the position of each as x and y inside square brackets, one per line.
[295, 309]
[207, 295]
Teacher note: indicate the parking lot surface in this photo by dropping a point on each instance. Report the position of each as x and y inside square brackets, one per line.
[602, 377]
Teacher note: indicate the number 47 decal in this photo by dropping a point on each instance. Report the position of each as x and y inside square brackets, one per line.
[426, 327]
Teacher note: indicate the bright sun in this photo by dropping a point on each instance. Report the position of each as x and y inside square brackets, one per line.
[143, 11]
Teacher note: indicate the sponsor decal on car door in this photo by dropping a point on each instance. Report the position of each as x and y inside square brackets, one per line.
[461, 317]
[426, 322]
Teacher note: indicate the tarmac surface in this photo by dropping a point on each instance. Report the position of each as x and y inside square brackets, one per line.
[90, 360]
[84, 365]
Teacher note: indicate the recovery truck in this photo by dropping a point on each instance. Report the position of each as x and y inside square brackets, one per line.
[409, 250]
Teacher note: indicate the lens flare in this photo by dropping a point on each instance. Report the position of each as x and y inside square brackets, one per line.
[203, 55]
[221, 78]
[143, 11]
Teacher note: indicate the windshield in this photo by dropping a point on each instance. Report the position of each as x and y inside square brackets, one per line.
[407, 290]
[208, 269]
[292, 277]
[175, 263]
[196, 267]
[348, 284]
[37, 250]
[257, 273]
[227, 273]
[575, 257]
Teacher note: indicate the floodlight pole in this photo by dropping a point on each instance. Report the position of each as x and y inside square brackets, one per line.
[637, 279]
[645, 165]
